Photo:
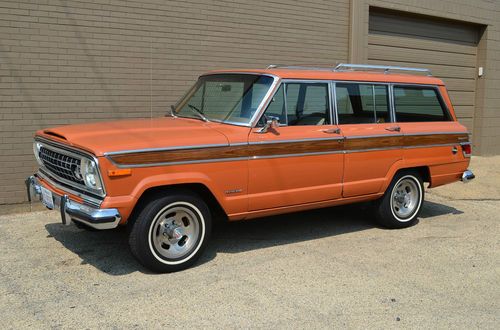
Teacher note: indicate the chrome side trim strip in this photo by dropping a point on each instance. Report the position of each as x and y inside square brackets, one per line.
[436, 133]
[372, 149]
[431, 145]
[298, 155]
[295, 141]
[186, 162]
[111, 153]
[401, 147]
[372, 136]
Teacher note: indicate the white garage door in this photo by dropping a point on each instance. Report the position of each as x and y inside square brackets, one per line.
[448, 48]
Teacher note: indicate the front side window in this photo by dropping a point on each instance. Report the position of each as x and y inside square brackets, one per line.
[362, 103]
[229, 98]
[306, 104]
[417, 104]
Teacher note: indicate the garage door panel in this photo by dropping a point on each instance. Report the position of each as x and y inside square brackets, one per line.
[416, 27]
[461, 98]
[447, 48]
[397, 40]
[419, 56]
[437, 70]
[463, 110]
[461, 85]
[467, 122]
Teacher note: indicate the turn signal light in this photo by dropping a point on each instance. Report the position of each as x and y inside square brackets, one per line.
[119, 172]
[467, 149]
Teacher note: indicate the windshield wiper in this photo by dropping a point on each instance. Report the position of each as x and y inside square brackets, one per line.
[172, 111]
[198, 112]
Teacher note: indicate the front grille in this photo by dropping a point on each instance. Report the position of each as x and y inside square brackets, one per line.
[61, 165]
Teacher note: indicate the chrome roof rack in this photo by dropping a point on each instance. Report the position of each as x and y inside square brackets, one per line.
[385, 68]
[298, 67]
[354, 67]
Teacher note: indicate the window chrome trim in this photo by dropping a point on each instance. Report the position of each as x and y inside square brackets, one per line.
[73, 152]
[336, 106]
[392, 111]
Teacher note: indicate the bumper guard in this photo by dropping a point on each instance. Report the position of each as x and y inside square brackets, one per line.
[72, 210]
[467, 176]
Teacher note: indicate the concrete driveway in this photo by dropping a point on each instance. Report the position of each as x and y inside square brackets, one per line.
[321, 269]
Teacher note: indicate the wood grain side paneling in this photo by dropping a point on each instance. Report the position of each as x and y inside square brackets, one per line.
[373, 143]
[282, 149]
[431, 139]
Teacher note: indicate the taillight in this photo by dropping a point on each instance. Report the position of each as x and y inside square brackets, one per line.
[467, 149]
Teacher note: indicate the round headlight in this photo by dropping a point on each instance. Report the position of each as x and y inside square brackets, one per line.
[90, 174]
[36, 151]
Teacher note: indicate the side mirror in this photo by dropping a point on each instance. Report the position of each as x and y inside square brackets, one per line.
[271, 122]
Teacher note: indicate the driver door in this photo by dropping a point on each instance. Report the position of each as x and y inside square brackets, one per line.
[301, 160]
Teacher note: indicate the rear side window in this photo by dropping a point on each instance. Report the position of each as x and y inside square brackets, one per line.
[416, 104]
[362, 103]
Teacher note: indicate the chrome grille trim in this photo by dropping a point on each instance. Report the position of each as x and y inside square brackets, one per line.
[61, 165]
[67, 152]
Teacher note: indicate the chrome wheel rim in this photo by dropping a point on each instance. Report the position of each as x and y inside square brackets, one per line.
[175, 232]
[405, 198]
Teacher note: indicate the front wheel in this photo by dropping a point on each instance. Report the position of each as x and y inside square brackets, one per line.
[171, 232]
[402, 201]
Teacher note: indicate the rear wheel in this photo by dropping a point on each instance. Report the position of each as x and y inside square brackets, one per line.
[402, 201]
[171, 232]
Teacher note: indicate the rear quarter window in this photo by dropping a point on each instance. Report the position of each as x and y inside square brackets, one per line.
[417, 104]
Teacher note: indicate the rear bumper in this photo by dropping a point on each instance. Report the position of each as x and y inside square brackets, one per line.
[467, 176]
[72, 210]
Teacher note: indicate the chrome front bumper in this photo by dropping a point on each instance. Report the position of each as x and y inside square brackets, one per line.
[467, 176]
[71, 210]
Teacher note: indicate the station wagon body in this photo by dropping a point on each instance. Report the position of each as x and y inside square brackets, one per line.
[254, 143]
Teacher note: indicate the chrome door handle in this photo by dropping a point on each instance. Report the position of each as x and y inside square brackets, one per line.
[331, 131]
[393, 129]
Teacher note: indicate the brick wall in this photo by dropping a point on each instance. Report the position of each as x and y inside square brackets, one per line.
[65, 62]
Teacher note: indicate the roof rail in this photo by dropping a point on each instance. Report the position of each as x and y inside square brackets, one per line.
[297, 67]
[353, 67]
[385, 68]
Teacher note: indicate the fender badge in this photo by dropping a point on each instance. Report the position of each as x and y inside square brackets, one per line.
[233, 191]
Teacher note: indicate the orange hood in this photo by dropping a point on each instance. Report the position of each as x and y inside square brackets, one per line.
[111, 136]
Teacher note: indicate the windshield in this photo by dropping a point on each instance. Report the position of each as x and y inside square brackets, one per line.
[227, 98]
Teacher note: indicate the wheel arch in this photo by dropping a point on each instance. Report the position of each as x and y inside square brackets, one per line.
[196, 188]
[423, 171]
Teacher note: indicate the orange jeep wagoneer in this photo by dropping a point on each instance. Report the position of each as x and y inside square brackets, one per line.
[252, 143]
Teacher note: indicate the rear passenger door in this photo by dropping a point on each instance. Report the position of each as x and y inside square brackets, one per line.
[373, 143]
